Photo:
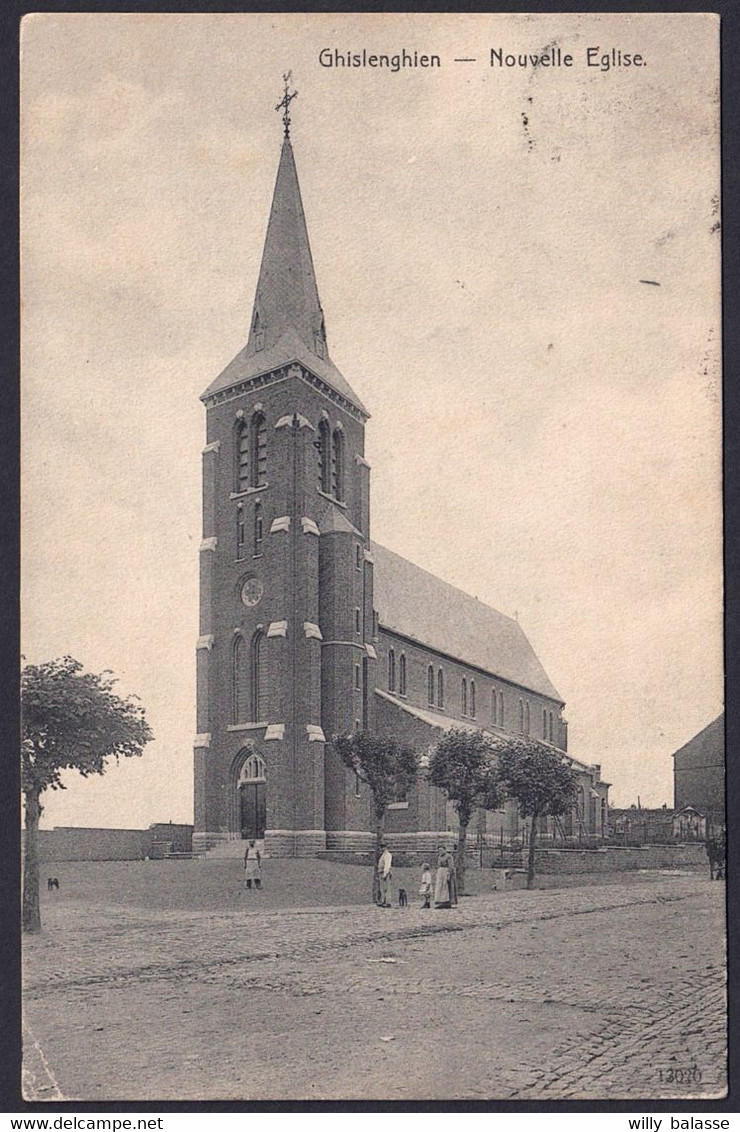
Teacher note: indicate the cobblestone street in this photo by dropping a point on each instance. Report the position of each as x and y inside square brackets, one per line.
[610, 991]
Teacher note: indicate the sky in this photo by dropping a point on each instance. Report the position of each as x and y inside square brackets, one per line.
[545, 429]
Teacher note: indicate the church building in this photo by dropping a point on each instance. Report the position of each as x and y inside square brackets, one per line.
[310, 630]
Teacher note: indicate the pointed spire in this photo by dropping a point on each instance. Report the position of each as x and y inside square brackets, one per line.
[287, 295]
[287, 322]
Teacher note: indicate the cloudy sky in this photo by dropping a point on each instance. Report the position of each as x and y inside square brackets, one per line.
[545, 426]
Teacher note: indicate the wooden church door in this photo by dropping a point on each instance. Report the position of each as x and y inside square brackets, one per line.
[253, 798]
[253, 804]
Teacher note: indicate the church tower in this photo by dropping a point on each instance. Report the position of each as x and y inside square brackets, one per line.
[285, 656]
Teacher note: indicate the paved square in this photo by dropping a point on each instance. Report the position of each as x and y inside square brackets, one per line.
[606, 991]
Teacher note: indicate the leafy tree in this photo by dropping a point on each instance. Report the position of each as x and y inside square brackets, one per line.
[388, 768]
[540, 778]
[463, 764]
[72, 720]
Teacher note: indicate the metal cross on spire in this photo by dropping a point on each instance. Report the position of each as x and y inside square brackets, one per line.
[285, 102]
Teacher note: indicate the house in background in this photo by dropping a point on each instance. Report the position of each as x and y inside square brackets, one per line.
[640, 825]
[689, 825]
[699, 775]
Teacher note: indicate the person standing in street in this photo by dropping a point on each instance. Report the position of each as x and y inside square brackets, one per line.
[252, 866]
[442, 894]
[385, 862]
[425, 888]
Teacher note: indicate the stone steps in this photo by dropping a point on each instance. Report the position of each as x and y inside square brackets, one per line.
[232, 850]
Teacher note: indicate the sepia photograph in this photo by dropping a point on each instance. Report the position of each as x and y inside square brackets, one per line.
[373, 738]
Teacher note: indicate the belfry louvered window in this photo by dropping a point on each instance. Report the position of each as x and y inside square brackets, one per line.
[337, 464]
[323, 445]
[241, 454]
[258, 437]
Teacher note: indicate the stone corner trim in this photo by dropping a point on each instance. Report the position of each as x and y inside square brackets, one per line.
[214, 446]
[202, 740]
[371, 651]
[277, 629]
[368, 557]
[275, 731]
[309, 527]
[205, 642]
[280, 524]
[209, 543]
[315, 733]
[311, 630]
[361, 462]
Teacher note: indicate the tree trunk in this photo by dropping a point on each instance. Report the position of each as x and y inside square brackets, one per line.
[31, 909]
[532, 844]
[460, 855]
[379, 827]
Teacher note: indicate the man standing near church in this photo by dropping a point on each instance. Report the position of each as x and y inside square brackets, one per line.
[385, 861]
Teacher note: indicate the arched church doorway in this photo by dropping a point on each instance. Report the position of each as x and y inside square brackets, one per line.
[252, 797]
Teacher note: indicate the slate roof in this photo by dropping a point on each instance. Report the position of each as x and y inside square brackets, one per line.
[707, 744]
[287, 322]
[288, 349]
[416, 604]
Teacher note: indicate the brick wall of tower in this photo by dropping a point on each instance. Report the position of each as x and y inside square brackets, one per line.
[288, 567]
[348, 665]
[343, 652]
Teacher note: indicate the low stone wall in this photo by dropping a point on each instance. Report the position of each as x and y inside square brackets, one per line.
[410, 850]
[76, 843]
[615, 859]
[68, 843]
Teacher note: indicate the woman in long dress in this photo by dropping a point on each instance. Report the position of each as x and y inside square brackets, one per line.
[442, 895]
[252, 866]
